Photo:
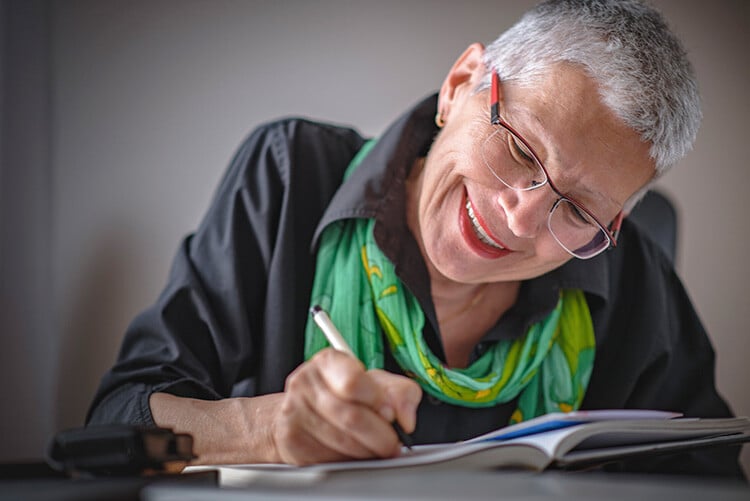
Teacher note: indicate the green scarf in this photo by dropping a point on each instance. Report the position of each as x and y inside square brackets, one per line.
[356, 284]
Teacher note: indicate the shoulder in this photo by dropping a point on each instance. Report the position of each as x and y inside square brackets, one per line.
[281, 154]
[646, 292]
[635, 268]
[638, 259]
[292, 138]
[639, 270]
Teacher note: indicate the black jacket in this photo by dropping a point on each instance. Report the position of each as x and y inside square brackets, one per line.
[231, 318]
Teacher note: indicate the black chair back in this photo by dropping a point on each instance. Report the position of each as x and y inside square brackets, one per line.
[656, 215]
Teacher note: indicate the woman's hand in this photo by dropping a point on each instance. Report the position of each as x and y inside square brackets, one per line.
[333, 409]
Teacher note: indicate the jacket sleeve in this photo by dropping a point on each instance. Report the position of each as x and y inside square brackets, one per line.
[669, 358]
[203, 337]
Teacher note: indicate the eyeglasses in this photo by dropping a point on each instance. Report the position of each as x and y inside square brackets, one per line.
[510, 158]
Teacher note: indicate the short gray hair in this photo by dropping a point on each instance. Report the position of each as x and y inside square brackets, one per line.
[640, 66]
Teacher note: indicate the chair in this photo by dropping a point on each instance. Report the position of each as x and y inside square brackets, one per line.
[656, 215]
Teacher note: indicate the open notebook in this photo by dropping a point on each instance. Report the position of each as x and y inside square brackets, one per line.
[555, 440]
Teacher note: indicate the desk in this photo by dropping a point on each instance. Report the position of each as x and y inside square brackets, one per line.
[34, 482]
[387, 485]
[469, 485]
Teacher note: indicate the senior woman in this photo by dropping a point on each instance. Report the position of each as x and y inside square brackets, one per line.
[463, 254]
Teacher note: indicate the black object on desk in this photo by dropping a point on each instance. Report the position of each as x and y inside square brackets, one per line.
[112, 463]
[119, 450]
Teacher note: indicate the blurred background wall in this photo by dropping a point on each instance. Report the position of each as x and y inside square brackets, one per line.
[118, 119]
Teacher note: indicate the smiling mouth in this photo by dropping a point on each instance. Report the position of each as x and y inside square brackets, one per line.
[483, 236]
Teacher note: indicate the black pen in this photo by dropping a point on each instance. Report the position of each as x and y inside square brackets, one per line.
[338, 343]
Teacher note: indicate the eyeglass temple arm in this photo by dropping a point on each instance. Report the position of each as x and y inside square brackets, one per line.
[494, 105]
[615, 228]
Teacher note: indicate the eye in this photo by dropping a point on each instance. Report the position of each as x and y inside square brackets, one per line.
[573, 217]
[580, 216]
[520, 152]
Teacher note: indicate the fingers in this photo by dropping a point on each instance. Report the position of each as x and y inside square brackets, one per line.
[340, 393]
[333, 410]
[303, 436]
[346, 378]
[402, 394]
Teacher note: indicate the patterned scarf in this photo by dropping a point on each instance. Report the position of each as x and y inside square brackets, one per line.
[549, 367]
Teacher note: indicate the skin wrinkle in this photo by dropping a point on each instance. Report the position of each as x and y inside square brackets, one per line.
[548, 150]
[516, 218]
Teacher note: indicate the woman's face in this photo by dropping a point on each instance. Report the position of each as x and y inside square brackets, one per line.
[474, 229]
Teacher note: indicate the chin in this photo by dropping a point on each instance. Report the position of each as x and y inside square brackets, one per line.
[462, 271]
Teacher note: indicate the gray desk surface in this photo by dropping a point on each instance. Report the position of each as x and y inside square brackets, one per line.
[459, 485]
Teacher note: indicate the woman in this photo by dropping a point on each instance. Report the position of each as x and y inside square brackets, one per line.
[462, 254]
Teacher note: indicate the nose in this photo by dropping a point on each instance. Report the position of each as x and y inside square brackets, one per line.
[526, 212]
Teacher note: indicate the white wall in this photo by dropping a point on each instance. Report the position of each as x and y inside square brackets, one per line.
[150, 99]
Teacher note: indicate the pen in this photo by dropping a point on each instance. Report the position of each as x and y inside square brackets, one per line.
[338, 343]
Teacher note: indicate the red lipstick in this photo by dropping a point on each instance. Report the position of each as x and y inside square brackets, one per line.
[471, 238]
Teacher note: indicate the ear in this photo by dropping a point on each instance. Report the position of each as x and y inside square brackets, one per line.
[462, 78]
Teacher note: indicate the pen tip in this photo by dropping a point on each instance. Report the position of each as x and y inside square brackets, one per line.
[315, 309]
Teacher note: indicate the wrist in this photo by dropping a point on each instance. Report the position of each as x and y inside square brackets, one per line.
[255, 432]
[232, 430]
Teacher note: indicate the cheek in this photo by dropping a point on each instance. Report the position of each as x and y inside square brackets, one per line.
[546, 256]
[460, 140]
[548, 250]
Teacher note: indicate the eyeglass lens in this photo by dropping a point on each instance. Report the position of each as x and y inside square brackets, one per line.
[511, 162]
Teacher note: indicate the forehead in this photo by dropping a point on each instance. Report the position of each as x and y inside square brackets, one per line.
[587, 150]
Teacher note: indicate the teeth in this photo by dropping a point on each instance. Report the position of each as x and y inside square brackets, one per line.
[483, 236]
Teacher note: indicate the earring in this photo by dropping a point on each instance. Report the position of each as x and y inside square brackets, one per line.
[439, 120]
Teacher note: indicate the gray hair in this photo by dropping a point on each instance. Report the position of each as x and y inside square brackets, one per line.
[641, 68]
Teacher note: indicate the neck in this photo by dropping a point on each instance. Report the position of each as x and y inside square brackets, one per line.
[453, 307]
[466, 314]
[453, 299]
